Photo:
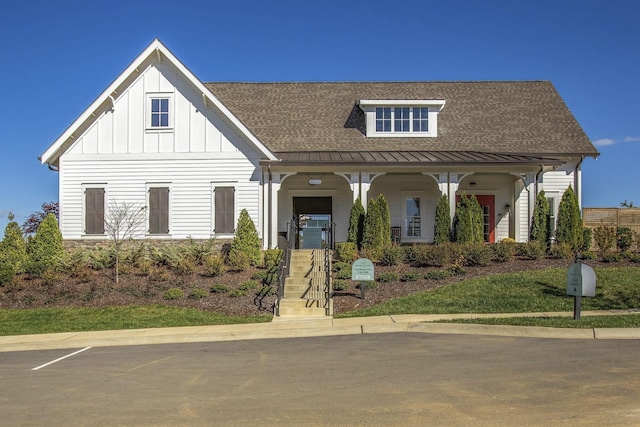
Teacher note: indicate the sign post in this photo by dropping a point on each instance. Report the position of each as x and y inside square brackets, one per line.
[362, 270]
[581, 282]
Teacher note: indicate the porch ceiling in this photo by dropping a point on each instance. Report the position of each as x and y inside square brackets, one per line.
[408, 158]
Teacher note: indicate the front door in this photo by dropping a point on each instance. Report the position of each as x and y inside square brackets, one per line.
[313, 216]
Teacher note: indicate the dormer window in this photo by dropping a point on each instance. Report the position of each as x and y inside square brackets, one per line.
[159, 111]
[386, 118]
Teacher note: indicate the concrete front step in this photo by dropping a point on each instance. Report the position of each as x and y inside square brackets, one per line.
[304, 312]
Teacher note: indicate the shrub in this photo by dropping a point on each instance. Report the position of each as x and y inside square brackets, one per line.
[540, 221]
[184, 266]
[260, 275]
[340, 285]
[561, 251]
[387, 277]
[377, 228]
[431, 256]
[7, 272]
[437, 274]
[411, 276]
[272, 258]
[219, 289]
[173, 293]
[198, 293]
[392, 255]
[609, 258]
[503, 252]
[477, 254]
[267, 291]
[236, 293]
[532, 250]
[246, 239]
[356, 223]
[51, 276]
[158, 275]
[238, 260]
[249, 285]
[587, 238]
[213, 265]
[46, 249]
[344, 273]
[588, 255]
[624, 238]
[442, 227]
[346, 251]
[569, 223]
[605, 238]
[13, 248]
[468, 226]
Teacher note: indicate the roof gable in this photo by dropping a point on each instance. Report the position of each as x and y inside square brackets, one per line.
[157, 52]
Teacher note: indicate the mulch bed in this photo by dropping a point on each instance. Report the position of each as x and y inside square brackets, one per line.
[99, 289]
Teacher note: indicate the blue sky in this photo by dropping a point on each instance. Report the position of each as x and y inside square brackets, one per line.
[57, 57]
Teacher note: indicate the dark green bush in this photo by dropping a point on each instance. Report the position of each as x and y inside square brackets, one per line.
[561, 251]
[387, 277]
[356, 223]
[260, 275]
[624, 238]
[442, 227]
[392, 255]
[198, 293]
[237, 293]
[220, 289]
[411, 276]
[249, 285]
[588, 255]
[476, 254]
[340, 285]
[238, 260]
[13, 248]
[468, 226]
[587, 239]
[569, 223]
[610, 258]
[503, 251]
[173, 293]
[605, 238]
[246, 240]
[7, 272]
[532, 250]
[431, 256]
[45, 249]
[377, 228]
[346, 251]
[437, 274]
[272, 258]
[540, 221]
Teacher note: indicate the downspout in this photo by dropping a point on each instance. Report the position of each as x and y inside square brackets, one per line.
[577, 182]
[270, 211]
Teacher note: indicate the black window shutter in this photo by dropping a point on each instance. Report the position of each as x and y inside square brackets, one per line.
[159, 210]
[224, 209]
[94, 215]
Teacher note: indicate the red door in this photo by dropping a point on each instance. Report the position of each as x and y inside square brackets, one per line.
[487, 203]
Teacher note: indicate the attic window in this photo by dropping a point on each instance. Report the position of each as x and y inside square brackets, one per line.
[401, 118]
[159, 111]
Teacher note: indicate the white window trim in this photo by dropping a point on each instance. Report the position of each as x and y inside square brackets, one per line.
[147, 119]
[148, 187]
[422, 195]
[84, 234]
[369, 108]
[212, 226]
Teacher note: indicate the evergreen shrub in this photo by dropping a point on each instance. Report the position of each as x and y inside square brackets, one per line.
[442, 228]
[173, 293]
[198, 293]
[569, 223]
[437, 274]
[561, 251]
[387, 277]
[246, 240]
[45, 249]
[392, 255]
[532, 250]
[476, 254]
[356, 223]
[604, 238]
[540, 221]
[503, 252]
[468, 226]
[624, 238]
[213, 265]
[346, 251]
[340, 285]
[219, 289]
[411, 276]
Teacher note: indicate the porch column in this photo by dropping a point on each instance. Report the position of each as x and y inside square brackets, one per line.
[365, 185]
[264, 210]
[353, 178]
[453, 183]
[442, 180]
[524, 204]
[273, 209]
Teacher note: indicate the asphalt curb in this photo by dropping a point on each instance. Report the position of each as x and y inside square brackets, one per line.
[314, 327]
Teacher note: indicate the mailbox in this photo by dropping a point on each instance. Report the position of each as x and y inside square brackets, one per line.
[581, 280]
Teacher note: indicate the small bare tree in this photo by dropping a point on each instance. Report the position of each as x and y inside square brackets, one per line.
[121, 223]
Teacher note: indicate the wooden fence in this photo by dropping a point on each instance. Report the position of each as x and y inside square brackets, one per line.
[612, 217]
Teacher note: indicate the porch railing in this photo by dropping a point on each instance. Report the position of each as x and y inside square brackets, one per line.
[285, 263]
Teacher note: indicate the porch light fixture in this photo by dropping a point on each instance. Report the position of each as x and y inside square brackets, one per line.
[315, 181]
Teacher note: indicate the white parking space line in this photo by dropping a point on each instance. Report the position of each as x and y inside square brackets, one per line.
[60, 358]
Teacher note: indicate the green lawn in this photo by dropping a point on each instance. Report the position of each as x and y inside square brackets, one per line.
[48, 320]
[614, 321]
[531, 291]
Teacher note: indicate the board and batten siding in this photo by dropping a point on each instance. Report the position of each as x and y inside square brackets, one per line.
[119, 152]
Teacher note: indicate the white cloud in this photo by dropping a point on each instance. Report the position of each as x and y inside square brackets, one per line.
[604, 142]
[632, 139]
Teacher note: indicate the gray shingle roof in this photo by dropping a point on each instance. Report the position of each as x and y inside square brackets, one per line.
[528, 118]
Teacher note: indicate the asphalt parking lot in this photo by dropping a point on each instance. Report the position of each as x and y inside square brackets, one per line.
[375, 379]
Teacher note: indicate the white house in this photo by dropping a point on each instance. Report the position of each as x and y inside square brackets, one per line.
[197, 153]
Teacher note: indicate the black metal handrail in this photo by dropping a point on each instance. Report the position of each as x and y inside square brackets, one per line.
[285, 263]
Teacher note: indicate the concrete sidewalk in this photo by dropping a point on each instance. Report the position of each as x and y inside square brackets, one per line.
[315, 327]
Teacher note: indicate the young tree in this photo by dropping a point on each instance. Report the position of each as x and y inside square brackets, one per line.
[246, 239]
[569, 224]
[122, 221]
[540, 220]
[31, 224]
[356, 223]
[442, 233]
[45, 248]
